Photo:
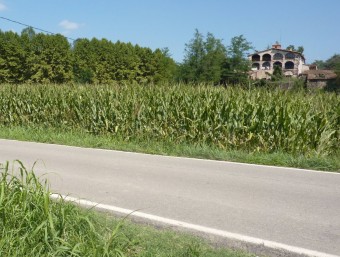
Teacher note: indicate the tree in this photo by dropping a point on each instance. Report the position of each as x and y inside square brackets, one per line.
[28, 32]
[83, 61]
[214, 59]
[192, 67]
[238, 65]
[291, 48]
[165, 66]
[277, 73]
[13, 56]
[238, 51]
[49, 59]
[320, 64]
[333, 63]
[299, 49]
[204, 59]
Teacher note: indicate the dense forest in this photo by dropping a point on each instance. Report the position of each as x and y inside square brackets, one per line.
[32, 57]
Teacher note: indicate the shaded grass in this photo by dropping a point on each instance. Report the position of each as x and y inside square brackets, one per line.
[31, 224]
[83, 139]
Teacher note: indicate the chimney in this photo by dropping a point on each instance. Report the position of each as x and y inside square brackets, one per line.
[277, 46]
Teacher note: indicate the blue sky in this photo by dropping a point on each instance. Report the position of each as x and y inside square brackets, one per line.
[171, 23]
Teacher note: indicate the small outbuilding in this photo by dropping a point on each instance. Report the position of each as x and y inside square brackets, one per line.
[318, 78]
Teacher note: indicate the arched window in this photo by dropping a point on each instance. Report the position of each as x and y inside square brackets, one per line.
[278, 64]
[255, 58]
[255, 66]
[289, 65]
[266, 58]
[278, 56]
[290, 56]
[266, 65]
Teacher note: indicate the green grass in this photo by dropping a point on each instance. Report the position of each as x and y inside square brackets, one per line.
[83, 139]
[31, 224]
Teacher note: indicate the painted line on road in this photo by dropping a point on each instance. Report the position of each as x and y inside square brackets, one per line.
[207, 230]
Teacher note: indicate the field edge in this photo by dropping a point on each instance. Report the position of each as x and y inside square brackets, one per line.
[82, 139]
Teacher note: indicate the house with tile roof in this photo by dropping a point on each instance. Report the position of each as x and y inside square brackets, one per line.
[291, 62]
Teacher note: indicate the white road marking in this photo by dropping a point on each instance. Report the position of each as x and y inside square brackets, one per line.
[207, 230]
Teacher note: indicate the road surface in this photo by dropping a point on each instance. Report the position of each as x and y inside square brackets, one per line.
[293, 207]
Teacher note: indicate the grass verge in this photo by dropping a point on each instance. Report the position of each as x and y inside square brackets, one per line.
[31, 224]
[83, 139]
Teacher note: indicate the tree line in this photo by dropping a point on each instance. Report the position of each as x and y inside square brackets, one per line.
[43, 58]
[333, 63]
[31, 57]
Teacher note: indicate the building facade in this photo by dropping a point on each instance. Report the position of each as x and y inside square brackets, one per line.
[292, 63]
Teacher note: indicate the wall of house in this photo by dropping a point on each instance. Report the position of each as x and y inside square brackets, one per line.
[304, 67]
[261, 62]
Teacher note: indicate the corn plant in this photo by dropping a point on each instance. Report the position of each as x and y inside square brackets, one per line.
[233, 118]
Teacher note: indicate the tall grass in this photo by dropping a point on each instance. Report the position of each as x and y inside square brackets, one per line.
[235, 119]
[33, 225]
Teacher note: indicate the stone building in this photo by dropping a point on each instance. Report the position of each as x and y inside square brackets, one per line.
[292, 63]
[315, 78]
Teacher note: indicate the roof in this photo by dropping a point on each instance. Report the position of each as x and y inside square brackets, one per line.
[319, 74]
[282, 50]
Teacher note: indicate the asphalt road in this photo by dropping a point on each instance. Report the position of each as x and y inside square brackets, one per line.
[293, 207]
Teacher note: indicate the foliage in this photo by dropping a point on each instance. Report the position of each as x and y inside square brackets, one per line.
[238, 64]
[49, 59]
[13, 56]
[233, 119]
[34, 225]
[208, 60]
[277, 73]
[238, 51]
[204, 59]
[41, 58]
[333, 63]
[299, 49]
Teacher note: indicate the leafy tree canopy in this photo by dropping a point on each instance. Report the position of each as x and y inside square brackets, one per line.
[43, 58]
[204, 59]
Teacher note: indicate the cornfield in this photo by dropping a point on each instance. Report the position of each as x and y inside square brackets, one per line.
[233, 118]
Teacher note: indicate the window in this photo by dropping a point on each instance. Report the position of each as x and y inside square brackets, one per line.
[266, 57]
[278, 56]
[290, 56]
[255, 66]
[266, 65]
[255, 58]
[289, 65]
[278, 64]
